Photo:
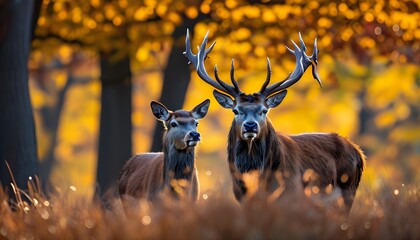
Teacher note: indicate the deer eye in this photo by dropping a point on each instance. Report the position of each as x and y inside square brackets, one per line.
[196, 124]
[173, 124]
[263, 112]
[235, 112]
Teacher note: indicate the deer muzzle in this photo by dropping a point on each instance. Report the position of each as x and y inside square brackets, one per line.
[192, 138]
[249, 130]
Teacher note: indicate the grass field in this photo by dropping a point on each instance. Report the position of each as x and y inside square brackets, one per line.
[385, 213]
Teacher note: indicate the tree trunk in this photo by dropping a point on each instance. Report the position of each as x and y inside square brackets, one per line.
[17, 129]
[36, 12]
[115, 127]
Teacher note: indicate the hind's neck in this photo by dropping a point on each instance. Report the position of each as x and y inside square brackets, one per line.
[178, 164]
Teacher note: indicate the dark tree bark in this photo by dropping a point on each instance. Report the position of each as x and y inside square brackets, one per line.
[115, 144]
[17, 131]
[365, 114]
[35, 16]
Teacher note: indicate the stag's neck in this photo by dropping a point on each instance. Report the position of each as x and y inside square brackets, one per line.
[177, 164]
[261, 154]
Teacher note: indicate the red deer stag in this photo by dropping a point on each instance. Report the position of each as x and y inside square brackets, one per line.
[146, 175]
[253, 143]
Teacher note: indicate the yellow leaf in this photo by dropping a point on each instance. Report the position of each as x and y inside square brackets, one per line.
[242, 33]
[60, 79]
[140, 14]
[142, 53]
[191, 12]
[406, 133]
[269, 16]
[385, 119]
[324, 22]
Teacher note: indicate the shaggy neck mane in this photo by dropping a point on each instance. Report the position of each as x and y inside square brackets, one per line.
[177, 164]
[263, 155]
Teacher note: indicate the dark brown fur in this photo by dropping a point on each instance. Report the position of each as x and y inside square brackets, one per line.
[330, 156]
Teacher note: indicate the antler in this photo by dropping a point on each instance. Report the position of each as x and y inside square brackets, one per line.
[267, 79]
[198, 62]
[302, 63]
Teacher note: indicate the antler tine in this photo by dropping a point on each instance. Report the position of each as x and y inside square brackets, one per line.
[223, 84]
[313, 58]
[232, 77]
[303, 61]
[315, 62]
[188, 54]
[198, 62]
[302, 44]
[267, 79]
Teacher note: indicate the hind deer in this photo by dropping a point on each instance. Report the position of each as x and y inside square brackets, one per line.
[326, 161]
[173, 170]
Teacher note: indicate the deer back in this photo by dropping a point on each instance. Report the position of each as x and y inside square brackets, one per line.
[328, 161]
[141, 176]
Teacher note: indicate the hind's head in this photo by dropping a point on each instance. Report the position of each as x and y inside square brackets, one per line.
[180, 125]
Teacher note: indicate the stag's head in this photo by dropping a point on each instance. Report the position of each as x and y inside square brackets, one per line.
[251, 109]
[181, 125]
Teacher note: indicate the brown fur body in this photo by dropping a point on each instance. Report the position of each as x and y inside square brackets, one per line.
[143, 176]
[334, 160]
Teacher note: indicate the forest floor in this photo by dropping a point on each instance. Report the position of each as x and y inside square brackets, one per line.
[376, 214]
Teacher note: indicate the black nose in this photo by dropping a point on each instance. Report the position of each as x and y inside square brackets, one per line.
[250, 126]
[195, 135]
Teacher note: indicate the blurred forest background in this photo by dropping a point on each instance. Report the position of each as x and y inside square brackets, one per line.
[95, 65]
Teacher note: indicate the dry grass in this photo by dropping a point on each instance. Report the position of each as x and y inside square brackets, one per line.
[382, 214]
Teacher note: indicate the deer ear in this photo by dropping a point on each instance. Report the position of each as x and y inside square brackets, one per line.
[223, 99]
[160, 111]
[201, 109]
[274, 100]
